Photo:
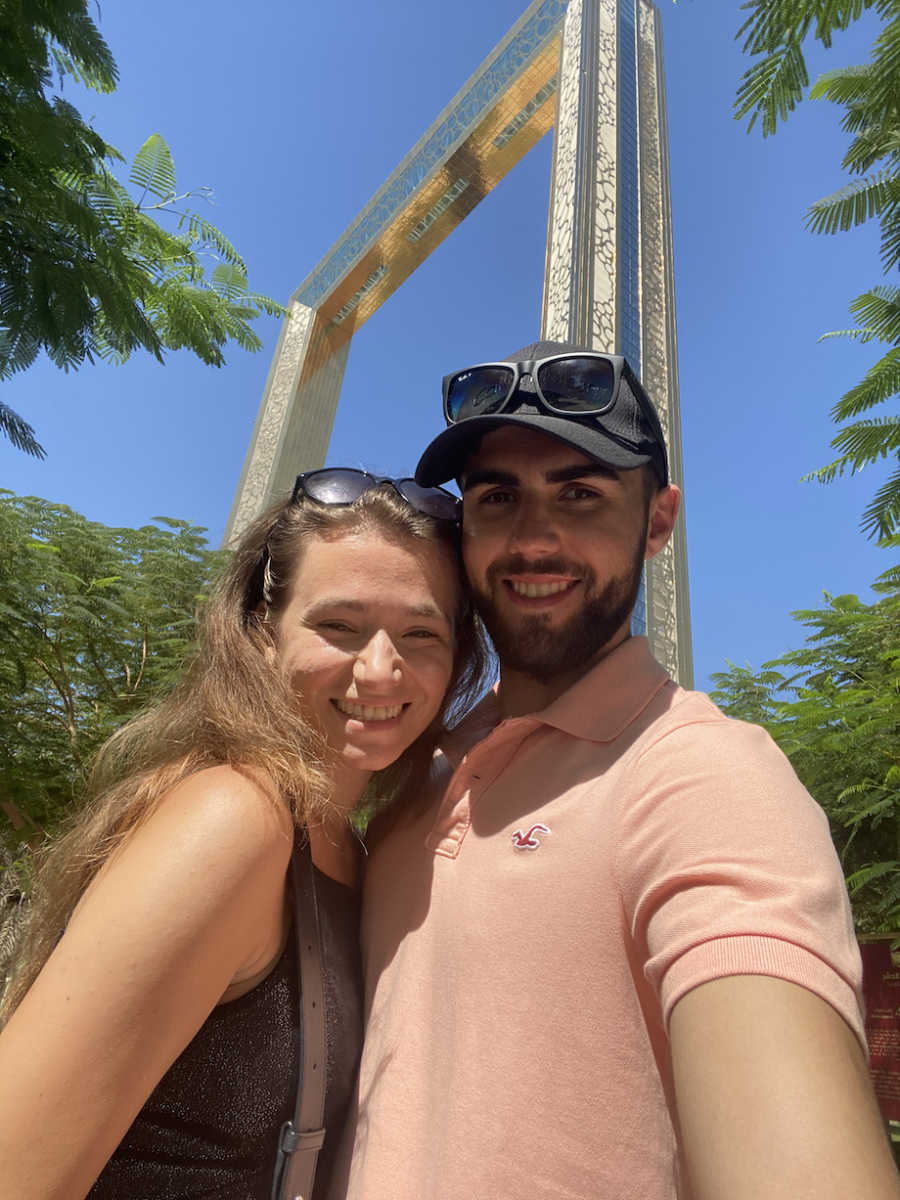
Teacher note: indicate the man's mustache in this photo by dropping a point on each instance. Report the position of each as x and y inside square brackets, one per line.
[518, 564]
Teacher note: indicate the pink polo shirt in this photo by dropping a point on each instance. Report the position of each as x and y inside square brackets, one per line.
[526, 940]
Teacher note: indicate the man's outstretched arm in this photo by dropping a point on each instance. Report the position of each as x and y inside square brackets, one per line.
[774, 1098]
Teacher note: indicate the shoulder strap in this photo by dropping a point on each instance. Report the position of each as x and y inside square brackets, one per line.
[301, 1139]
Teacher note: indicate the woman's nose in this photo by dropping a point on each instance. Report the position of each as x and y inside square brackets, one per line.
[378, 661]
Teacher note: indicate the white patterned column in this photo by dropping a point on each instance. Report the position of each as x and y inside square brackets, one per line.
[580, 269]
[667, 593]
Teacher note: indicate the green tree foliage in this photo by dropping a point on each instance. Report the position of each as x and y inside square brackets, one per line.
[834, 708]
[86, 271]
[94, 623]
[775, 32]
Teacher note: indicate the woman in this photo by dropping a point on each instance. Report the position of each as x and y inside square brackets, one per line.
[153, 1044]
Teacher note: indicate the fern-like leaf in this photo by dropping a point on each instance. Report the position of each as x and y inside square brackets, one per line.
[154, 169]
[859, 335]
[881, 383]
[770, 25]
[207, 236]
[881, 518]
[889, 580]
[267, 305]
[772, 88]
[78, 48]
[873, 142]
[845, 85]
[19, 432]
[853, 204]
[229, 281]
[879, 312]
[859, 879]
[101, 79]
[890, 235]
[865, 442]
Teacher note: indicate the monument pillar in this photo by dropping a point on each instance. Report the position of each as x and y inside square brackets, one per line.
[293, 425]
[609, 274]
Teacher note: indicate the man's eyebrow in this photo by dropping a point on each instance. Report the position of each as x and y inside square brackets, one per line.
[566, 474]
[490, 475]
[561, 475]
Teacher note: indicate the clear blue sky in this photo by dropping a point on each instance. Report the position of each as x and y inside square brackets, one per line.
[297, 112]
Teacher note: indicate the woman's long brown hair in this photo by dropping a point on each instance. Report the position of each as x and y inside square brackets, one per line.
[233, 706]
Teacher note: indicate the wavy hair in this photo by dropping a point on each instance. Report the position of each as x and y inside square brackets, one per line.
[234, 706]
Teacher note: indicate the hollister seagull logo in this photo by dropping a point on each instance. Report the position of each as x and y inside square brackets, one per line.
[528, 841]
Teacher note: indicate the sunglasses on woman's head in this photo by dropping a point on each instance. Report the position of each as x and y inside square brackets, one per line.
[344, 485]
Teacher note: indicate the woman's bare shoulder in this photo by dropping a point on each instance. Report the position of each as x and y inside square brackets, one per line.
[229, 788]
[191, 900]
[222, 812]
[216, 843]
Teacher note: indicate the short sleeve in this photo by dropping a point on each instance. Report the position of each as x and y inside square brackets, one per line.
[726, 867]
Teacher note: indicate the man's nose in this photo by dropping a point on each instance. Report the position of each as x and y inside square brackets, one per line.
[378, 663]
[534, 529]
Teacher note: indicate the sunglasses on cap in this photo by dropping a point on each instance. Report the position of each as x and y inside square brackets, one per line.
[582, 384]
[344, 485]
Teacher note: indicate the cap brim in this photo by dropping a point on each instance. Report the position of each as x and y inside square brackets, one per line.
[445, 457]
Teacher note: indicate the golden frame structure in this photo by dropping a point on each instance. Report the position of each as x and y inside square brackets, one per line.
[592, 71]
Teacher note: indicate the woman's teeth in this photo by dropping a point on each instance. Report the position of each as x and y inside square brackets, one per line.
[368, 712]
[533, 590]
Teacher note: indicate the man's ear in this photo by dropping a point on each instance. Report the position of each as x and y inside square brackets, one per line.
[664, 507]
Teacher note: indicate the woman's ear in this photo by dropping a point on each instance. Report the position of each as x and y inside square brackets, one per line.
[664, 507]
[264, 627]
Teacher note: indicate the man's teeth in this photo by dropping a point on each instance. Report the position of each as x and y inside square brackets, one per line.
[538, 589]
[368, 712]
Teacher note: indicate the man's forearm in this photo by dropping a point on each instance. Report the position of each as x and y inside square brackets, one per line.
[774, 1099]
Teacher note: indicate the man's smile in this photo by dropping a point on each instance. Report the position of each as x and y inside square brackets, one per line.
[540, 588]
[538, 591]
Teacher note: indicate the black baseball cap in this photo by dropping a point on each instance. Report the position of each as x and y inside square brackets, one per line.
[627, 435]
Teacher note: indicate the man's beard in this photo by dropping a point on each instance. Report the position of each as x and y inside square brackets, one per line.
[533, 646]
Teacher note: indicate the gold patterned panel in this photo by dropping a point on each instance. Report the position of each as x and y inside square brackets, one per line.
[519, 119]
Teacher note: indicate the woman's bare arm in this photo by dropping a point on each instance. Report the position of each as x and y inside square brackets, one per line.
[192, 902]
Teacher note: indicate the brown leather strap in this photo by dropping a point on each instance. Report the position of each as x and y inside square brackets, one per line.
[302, 1138]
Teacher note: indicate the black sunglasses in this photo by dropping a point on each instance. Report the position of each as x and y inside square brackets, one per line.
[343, 485]
[584, 384]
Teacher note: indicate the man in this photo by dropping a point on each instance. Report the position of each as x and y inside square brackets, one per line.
[616, 959]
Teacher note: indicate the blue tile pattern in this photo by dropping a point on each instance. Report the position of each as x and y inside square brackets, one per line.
[472, 106]
[639, 615]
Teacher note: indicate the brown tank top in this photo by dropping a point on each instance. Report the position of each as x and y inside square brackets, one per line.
[210, 1127]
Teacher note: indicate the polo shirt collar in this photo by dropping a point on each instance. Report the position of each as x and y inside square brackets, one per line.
[600, 706]
[605, 701]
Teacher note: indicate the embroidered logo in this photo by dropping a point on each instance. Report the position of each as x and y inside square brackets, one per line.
[528, 841]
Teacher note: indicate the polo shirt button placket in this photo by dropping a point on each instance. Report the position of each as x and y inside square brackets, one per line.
[448, 833]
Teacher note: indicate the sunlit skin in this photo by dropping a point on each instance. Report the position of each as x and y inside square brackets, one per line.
[366, 637]
[541, 517]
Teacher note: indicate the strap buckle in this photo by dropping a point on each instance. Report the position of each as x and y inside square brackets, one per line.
[290, 1140]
